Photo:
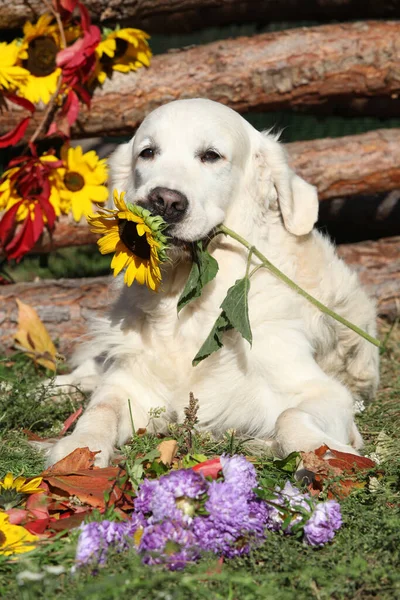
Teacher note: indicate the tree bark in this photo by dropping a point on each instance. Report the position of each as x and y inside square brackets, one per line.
[66, 305]
[298, 69]
[166, 16]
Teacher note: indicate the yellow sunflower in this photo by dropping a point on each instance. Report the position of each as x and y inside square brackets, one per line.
[14, 539]
[10, 195]
[38, 51]
[11, 74]
[122, 50]
[135, 237]
[82, 182]
[13, 491]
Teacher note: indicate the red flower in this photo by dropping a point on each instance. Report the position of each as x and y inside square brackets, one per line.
[79, 60]
[28, 190]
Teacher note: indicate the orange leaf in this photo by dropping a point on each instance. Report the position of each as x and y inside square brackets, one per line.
[32, 337]
[88, 485]
[81, 458]
[341, 466]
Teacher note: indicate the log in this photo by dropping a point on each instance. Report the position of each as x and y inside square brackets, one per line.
[66, 305]
[166, 16]
[299, 69]
[339, 167]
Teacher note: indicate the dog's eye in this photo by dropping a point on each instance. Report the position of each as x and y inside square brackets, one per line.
[147, 153]
[210, 156]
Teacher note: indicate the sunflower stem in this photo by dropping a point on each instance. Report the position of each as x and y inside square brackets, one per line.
[267, 264]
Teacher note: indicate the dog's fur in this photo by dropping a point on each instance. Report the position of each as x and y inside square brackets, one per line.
[296, 386]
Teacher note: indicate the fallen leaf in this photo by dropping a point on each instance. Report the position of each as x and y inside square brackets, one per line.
[209, 468]
[71, 420]
[81, 458]
[89, 486]
[338, 471]
[33, 338]
[69, 522]
[168, 450]
[76, 479]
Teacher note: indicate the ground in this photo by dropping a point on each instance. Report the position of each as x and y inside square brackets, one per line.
[362, 561]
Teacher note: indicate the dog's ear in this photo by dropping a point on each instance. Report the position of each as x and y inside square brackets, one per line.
[120, 169]
[297, 199]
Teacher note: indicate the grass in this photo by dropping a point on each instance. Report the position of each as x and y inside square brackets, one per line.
[361, 563]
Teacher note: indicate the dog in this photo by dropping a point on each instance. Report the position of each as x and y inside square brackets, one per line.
[200, 164]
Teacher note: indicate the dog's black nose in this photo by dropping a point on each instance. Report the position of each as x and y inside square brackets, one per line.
[169, 204]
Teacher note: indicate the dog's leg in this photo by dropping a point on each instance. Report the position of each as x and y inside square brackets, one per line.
[323, 415]
[107, 421]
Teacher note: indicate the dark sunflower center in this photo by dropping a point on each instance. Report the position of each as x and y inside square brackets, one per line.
[3, 538]
[121, 48]
[133, 241]
[41, 59]
[74, 181]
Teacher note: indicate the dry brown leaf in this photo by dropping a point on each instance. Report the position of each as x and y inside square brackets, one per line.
[33, 338]
[168, 450]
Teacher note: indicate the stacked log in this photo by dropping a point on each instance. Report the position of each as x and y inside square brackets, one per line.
[300, 69]
[166, 16]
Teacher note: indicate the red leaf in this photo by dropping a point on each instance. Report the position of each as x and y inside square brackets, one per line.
[72, 107]
[15, 135]
[69, 522]
[7, 223]
[37, 526]
[209, 468]
[27, 236]
[71, 419]
[21, 102]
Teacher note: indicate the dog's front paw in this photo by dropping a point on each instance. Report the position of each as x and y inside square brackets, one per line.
[68, 444]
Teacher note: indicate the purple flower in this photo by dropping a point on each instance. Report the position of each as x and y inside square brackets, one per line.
[233, 524]
[324, 521]
[173, 496]
[145, 496]
[292, 499]
[96, 539]
[184, 482]
[168, 543]
[240, 472]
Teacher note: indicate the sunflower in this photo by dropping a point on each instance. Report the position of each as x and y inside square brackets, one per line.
[82, 182]
[14, 539]
[11, 75]
[38, 51]
[122, 50]
[13, 491]
[136, 238]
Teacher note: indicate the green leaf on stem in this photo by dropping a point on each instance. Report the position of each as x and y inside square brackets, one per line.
[236, 307]
[204, 269]
[234, 315]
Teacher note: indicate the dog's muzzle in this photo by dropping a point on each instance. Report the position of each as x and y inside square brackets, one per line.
[171, 205]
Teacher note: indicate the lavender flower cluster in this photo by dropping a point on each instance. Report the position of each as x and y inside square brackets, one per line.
[182, 514]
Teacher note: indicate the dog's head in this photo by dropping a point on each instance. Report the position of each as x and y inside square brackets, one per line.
[192, 161]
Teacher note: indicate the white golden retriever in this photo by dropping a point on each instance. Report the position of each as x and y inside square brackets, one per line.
[199, 164]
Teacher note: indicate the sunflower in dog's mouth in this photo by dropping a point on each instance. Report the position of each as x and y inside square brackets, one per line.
[136, 237]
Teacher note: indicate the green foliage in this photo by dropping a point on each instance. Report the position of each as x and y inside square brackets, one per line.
[234, 315]
[204, 269]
